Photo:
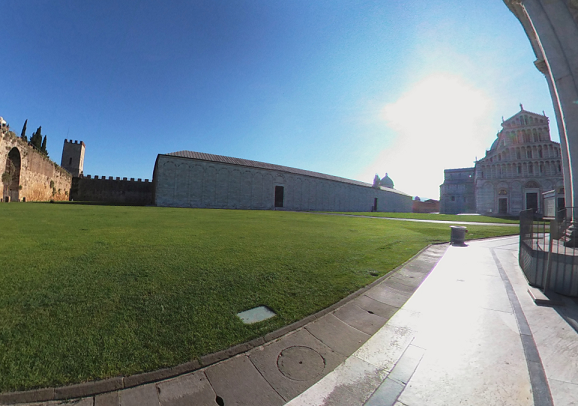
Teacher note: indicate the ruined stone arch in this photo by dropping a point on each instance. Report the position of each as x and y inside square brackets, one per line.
[11, 176]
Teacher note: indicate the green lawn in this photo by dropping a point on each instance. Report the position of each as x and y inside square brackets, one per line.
[439, 217]
[90, 292]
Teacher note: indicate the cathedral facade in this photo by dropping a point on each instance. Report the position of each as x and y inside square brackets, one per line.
[522, 163]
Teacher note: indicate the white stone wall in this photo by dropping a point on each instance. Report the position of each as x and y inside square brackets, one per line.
[186, 182]
[487, 193]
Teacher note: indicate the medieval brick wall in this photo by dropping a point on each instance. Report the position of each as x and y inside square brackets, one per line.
[40, 179]
[111, 190]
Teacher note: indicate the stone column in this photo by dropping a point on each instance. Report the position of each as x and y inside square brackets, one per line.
[552, 28]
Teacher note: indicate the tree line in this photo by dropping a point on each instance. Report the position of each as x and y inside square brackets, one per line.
[37, 140]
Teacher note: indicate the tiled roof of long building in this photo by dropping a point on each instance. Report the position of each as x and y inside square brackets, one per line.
[262, 165]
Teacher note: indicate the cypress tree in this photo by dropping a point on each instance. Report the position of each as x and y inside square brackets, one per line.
[23, 135]
[36, 139]
[43, 147]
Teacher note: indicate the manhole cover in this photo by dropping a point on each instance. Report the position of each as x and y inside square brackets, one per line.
[300, 363]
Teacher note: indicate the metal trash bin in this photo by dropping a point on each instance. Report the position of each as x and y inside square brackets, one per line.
[458, 235]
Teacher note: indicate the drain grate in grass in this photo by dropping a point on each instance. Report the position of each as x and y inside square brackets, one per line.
[256, 315]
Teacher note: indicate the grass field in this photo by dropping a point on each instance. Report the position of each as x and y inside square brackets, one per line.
[90, 292]
[439, 217]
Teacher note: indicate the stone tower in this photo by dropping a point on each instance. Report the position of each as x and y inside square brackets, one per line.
[73, 157]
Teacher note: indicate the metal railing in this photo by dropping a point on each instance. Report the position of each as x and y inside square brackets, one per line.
[544, 257]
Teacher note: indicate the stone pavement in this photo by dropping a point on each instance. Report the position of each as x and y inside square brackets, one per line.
[463, 223]
[470, 334]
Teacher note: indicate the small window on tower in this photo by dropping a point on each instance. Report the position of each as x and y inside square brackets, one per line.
[70, 161]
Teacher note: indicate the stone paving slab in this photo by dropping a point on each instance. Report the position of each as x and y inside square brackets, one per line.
[337, 335]
[266, 359]
[145, 395]
[80, 402]
[386, 394]
[385, 347]
[107, 399]
[359, 318]
[405, 283]
[413, 276]
[349, 384]
[397, 282]
[237, 382]
[388, 295]
[378, 308]
[407, 364]
[419, 267]
[185, 390]
[564, 393]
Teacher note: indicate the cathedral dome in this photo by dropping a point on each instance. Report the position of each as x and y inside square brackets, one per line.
[386, 182]
[494, 144]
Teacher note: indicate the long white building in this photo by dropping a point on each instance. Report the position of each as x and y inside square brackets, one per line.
[194, 179]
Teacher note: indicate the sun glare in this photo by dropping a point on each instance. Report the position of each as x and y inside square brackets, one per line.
[436, 103]
[442, 122]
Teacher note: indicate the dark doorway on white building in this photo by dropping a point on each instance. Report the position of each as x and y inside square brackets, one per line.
[374, 204]
[503, 205]
[532, 201]
[279, 191]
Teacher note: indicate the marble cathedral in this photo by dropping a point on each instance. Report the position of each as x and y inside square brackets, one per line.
[522, 163]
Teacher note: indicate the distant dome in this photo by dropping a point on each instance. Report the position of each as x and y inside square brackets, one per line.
[386, 182]
[494, 144]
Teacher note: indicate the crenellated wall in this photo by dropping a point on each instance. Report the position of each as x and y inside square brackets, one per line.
[111, 190]
[40, 179]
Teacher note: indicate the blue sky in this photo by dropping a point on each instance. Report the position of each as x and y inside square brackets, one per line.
[348, 88]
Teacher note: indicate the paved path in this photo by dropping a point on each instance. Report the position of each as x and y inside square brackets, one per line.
[473, 223]
[469, 335]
